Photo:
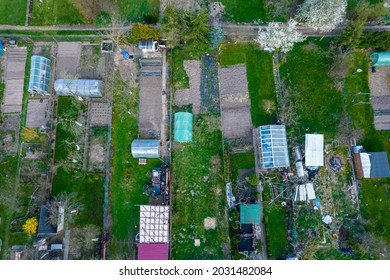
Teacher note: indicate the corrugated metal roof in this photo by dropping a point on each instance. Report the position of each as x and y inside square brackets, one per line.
[250, 214]
[274, 150]
[145, 148]
[379, 165]
[154, 251]
[314, 150]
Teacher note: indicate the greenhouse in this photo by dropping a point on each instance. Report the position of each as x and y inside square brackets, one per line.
[273, 142]
[39, 75]
[380, 59]
[183, 127]
[145, 148]
[79, 87]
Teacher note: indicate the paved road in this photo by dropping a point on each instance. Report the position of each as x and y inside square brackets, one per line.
[230, 29]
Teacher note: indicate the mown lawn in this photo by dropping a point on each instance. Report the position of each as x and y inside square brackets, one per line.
[89, 187]
[245, 11]
[128, 177]
[274, 220]
[241, 161]
[373, 192]
[198, 193]
[260, 78]
[133, 10]
[52, 12]
[316, 104]
[13, 12]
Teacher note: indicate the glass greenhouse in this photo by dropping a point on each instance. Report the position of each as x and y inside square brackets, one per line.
[39, 75]
[145, 148]
[274, 151]
[183, 127]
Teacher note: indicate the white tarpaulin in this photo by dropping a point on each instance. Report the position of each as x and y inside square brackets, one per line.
[310, 191]
[366, 164]
[314, 150]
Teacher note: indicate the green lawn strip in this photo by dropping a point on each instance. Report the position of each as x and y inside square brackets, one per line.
[241, 161]
[261, 84]
[275, 227]
[245, 11]
[89, 187]
[199, 193]
[13, 12]
[51, 12]
[317, 103]
[353, 3]
[362, 115]
[189, 52]
[133, 10]
[128, 177]
[374, 196]
[44, 33]
[8, 166]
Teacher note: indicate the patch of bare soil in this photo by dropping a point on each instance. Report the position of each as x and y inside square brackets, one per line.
[192, 95]
[96, 155]
[127, 68]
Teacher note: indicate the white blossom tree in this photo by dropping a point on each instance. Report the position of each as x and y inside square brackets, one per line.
[279, 36]
[323, 15]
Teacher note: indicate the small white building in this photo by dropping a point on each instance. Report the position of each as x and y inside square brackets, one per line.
[314, 150]
[147, 46]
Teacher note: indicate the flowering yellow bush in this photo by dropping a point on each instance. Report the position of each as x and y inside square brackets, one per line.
[30, 226]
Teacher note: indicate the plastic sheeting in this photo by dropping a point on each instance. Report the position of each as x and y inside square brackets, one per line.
[183, 127]
[314, 150]
[145, 148]
[380, 59]
[79, 87]
[39, 75]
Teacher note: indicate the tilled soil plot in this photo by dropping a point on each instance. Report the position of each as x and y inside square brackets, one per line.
[189, 96]
[68, 59]
[150, 104]
[235, 103]
[209, 91]
[380, 97]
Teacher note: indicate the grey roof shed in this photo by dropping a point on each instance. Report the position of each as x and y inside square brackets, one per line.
[379, 165]
[145, 148]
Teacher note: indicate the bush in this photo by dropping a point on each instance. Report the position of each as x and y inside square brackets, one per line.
[141, 31]
[379, 41]
[103, 19]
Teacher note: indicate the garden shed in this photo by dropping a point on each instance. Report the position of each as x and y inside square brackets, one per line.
[380, 59]
[145, 148]
[370, 165]
[273, 143]
[147, 45]
[250, 214]
[79, 87]
[39, 75]
[183, 127]
[314, 150]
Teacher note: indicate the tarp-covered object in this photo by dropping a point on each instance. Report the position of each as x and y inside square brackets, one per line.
[79, 87]
[183, 127]
[145, 148]
[314, 150]
[39, 75]
[1, 47]
[380, 59]
[250, 214]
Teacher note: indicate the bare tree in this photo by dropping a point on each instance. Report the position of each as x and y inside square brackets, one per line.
[71, 204]
[118, 31]
[83, 242]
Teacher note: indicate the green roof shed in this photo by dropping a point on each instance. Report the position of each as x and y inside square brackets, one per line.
[183, 127]
[250, 214]
[380, 59]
